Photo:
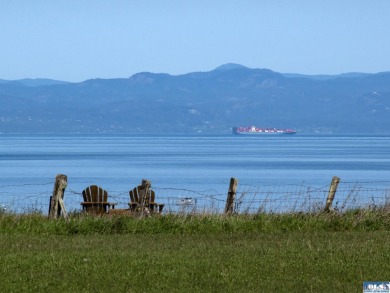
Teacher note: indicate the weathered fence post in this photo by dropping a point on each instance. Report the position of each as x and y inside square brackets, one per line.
[231, 196]
[144, 196]
[332, 193]
[56, 205]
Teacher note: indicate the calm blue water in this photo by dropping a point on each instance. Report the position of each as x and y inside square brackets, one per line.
[119, 163]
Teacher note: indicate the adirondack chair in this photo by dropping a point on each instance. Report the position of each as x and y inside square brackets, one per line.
[95, 200]
[142, 197]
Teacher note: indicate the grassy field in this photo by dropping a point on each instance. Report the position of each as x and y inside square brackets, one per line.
[262, 253]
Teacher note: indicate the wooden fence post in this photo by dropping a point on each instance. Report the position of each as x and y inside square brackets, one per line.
[56, 205]
[144, 196]
[231, 196]
[332, 193]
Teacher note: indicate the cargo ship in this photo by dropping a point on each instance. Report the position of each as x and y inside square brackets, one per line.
[252, 130]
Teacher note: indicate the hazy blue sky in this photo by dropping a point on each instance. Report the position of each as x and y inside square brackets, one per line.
[75, 40]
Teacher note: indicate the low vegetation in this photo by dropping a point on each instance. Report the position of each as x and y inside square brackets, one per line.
[197, 253]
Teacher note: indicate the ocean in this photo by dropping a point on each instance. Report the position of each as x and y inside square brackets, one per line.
[199, 164]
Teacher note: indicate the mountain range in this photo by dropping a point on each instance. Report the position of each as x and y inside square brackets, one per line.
[199, 102]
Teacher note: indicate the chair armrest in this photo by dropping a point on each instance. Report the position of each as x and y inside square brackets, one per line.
[98, 203]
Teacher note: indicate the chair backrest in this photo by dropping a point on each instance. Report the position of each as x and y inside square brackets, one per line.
[95, 193]
[139, 194]
[134, 195]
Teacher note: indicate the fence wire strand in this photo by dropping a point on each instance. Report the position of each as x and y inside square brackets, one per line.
[251, 199]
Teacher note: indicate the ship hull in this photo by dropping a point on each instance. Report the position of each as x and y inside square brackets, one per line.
[251, 130]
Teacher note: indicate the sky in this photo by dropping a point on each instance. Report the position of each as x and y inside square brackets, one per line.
[76, 40]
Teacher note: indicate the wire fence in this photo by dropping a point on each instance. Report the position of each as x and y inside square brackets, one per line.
[250, 199]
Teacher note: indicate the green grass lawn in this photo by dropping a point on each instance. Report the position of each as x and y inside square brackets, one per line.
[285, 253]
